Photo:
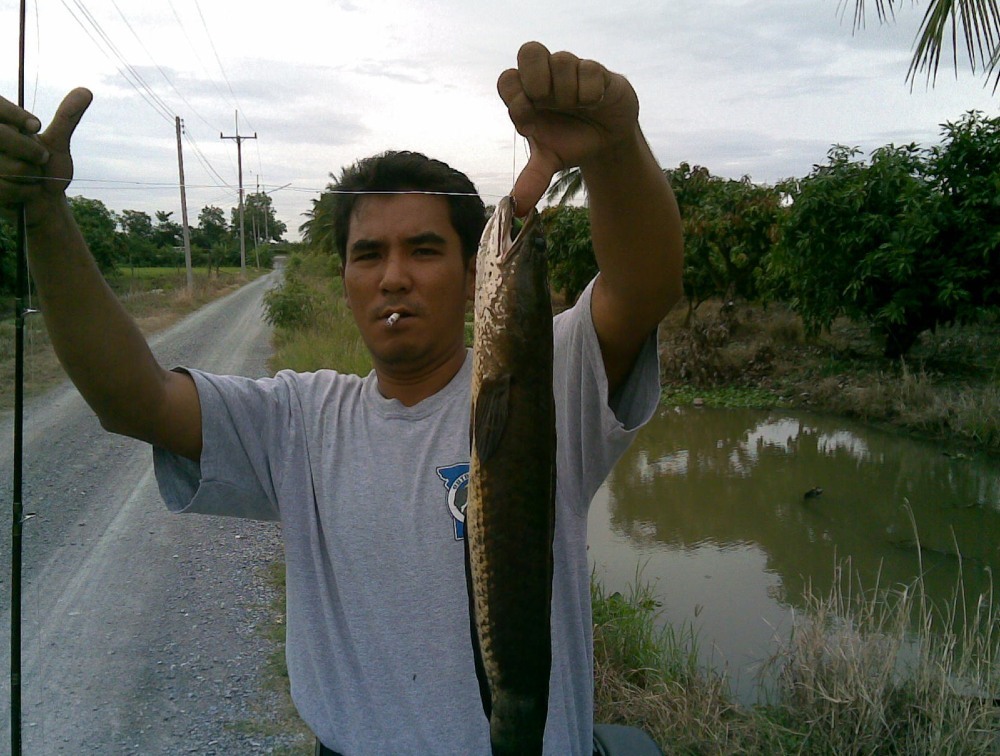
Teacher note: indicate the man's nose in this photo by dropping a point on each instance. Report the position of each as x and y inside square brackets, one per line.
[396, 273]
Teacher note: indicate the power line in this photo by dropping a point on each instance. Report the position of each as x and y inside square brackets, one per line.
[159, 68]
[132, 77]
[218, 60]
[194, 50]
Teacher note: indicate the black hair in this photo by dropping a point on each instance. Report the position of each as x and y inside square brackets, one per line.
[402, 171]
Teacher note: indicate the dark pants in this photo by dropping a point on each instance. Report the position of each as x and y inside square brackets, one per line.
[609, 740]
[322, 750]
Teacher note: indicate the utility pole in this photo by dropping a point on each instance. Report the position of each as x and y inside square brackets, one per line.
[184, 211]
[239, 157]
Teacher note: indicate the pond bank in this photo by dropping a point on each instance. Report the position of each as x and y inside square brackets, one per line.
[948, 388]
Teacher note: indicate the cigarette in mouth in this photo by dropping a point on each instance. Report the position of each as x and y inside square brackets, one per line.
[391, 320]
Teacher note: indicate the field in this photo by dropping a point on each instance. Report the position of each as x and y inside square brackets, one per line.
[155, 297]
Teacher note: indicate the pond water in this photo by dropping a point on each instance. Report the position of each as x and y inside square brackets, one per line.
[728, 514]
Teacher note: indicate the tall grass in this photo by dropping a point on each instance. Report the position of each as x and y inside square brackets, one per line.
[885, 671]
[313, 327]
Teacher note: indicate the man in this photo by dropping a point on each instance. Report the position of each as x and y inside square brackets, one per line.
[360, 471]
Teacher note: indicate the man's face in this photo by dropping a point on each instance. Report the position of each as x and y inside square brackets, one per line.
[404, 256]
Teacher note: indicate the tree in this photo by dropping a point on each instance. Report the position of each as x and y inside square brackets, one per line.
[318, 231]
[570, 250]
[567, 186]
[861, 240]
[905, 242]
[979, 21]
[966, 171]
[729, 228]
[212, 228]
[99, 229]
[167, 233]
[260, 222]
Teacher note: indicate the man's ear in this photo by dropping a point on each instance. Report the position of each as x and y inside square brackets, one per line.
[470, 279]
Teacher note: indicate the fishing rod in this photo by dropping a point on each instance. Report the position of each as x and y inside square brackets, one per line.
[20, 287]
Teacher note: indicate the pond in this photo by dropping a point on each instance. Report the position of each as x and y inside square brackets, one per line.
[729, 514]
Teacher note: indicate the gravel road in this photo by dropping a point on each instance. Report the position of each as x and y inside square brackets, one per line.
[141, 630]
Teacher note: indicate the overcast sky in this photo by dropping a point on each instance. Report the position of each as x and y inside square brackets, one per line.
[744, 87]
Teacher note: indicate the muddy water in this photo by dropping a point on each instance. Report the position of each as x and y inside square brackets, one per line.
[729, 513]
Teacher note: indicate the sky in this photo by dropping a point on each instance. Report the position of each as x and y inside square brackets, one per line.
[761, 88]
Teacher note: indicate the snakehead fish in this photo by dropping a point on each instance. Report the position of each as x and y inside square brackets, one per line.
[510, 509]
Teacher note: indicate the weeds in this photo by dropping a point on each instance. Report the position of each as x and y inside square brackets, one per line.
[883, 671]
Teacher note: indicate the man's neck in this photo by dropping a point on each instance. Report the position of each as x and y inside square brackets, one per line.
[412, 388]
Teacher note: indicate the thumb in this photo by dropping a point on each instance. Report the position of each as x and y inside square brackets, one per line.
[67, 116]
[534, 179]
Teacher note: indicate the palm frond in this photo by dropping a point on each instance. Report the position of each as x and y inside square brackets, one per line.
[974, 24]
[568, 184]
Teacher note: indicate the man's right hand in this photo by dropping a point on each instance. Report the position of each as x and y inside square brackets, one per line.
[36, 168]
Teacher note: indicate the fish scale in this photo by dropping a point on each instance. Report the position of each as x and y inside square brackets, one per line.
[510, 513]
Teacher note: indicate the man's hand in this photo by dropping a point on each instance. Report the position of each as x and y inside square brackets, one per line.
[36, 168]
[571, 111]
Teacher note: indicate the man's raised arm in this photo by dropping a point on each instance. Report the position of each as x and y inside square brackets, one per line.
[98, 344]
[575, 112]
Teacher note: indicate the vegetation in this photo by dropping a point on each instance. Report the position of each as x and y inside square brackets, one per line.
[864, 671]
[570, 251]
[132, 239]
[905, 243]
[155, 297]
[729, 229]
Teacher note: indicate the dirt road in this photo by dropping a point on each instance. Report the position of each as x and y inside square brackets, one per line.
[141, 629]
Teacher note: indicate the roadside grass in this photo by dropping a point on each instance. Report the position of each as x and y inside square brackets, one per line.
[865, 670]
[750, 355]
[156, 297]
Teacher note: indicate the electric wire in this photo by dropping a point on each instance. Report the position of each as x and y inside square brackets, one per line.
[218, 60]
[194, 50]
[160, 68]
[137, 84]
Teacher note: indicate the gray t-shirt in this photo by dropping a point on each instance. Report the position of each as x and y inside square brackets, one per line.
[369, 494]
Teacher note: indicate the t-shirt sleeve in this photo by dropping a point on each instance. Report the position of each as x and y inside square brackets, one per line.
[245, 431]
[593, 428]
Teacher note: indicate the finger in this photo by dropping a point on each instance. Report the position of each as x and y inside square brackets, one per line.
[565, 92]
[533, 180]
[65, 121]
[593, 79]
[14, 144]
[520, 109]
[19, 118]
[533, 68]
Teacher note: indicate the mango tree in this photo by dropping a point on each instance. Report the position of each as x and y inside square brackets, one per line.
[903, 242]
[730, 226]
[571, 252]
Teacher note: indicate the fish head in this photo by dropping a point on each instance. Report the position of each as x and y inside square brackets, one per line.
[505, 237]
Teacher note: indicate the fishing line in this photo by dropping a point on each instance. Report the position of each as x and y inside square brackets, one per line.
[17, 509]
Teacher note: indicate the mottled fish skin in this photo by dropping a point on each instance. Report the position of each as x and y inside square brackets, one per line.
[510, 514]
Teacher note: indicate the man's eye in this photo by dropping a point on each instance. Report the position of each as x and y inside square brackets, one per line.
[425, 251]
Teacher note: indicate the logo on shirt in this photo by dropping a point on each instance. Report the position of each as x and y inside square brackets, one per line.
[456, 480]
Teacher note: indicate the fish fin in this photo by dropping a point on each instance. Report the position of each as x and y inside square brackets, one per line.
[491, 415]
[477, 653]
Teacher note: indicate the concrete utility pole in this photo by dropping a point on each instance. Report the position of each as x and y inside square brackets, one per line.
[184, 211]
[239, 157]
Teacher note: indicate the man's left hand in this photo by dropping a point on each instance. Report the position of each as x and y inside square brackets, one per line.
[571, 111]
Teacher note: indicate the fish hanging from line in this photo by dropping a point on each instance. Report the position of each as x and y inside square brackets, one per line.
[510, 515]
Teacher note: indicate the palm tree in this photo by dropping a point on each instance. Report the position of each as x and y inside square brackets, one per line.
[567, 185]
[976, 21]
